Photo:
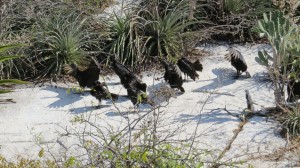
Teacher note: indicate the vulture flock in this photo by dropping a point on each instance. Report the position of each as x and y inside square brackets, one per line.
[136, 89]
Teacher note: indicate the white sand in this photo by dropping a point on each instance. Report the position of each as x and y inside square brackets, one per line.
[43, 113]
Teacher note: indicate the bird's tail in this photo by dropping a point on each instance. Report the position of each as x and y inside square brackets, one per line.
[198, 66]
[181, 89]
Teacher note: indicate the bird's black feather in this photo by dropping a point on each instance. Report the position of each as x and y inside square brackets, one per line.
[187, 68]
[101, 93]
[86, 77]
[237, 61]
[173, 75]
[198, 66]
[135, 87]
[127, 78]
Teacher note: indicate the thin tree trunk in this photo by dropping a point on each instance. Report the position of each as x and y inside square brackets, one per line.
[192, 6]
[278, 91]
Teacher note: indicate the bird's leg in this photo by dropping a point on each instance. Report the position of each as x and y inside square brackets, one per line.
[99, 105]
[185, 78]
[158, 78]
[237, 75]
[248, 74]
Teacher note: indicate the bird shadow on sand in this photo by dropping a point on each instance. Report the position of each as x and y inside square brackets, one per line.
[217, 117]
[223, 78]
[80, 110]
[143, 108]
[108, 103]
[64, 98]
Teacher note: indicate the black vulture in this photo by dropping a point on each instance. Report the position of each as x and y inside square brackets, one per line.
[99, 91]
[86, 77]
[135, 87]
[173, 75]
[293, 90]
[187, 67]
[127, 77]
[237, 61]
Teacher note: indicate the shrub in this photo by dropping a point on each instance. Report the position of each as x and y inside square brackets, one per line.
[284, 39]
[165, 33]
[124, 38]
[135, 37]
[292, 122]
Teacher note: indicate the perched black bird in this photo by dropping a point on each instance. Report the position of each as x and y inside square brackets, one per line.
[237, 61]
[173, 75]
[100, 92]
[135, 87]
[293, 90]
[127, 77]
[86, 77]
[187, 67]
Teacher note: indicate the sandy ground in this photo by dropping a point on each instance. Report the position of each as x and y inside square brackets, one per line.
[43, 114]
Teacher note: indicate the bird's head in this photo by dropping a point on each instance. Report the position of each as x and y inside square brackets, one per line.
[70, 69]
[229, 48]
[96, 83]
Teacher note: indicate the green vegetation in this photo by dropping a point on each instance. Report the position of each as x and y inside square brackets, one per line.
[5, 58]
[277, 29]
[70, 31]
[283, 65]
[59, 40]
[292, 122]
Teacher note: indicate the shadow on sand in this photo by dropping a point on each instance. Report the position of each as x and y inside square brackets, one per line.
[223, 78]
[217, 117]
[64, 98]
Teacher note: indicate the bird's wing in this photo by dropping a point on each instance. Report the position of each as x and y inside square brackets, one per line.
[177, 70]
[228, 57]
[233, 53]
[237, 55]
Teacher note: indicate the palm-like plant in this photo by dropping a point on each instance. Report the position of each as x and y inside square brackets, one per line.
[149, 32]
[124, 38]
[164, 31]
[5, 58]
[60, 40]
